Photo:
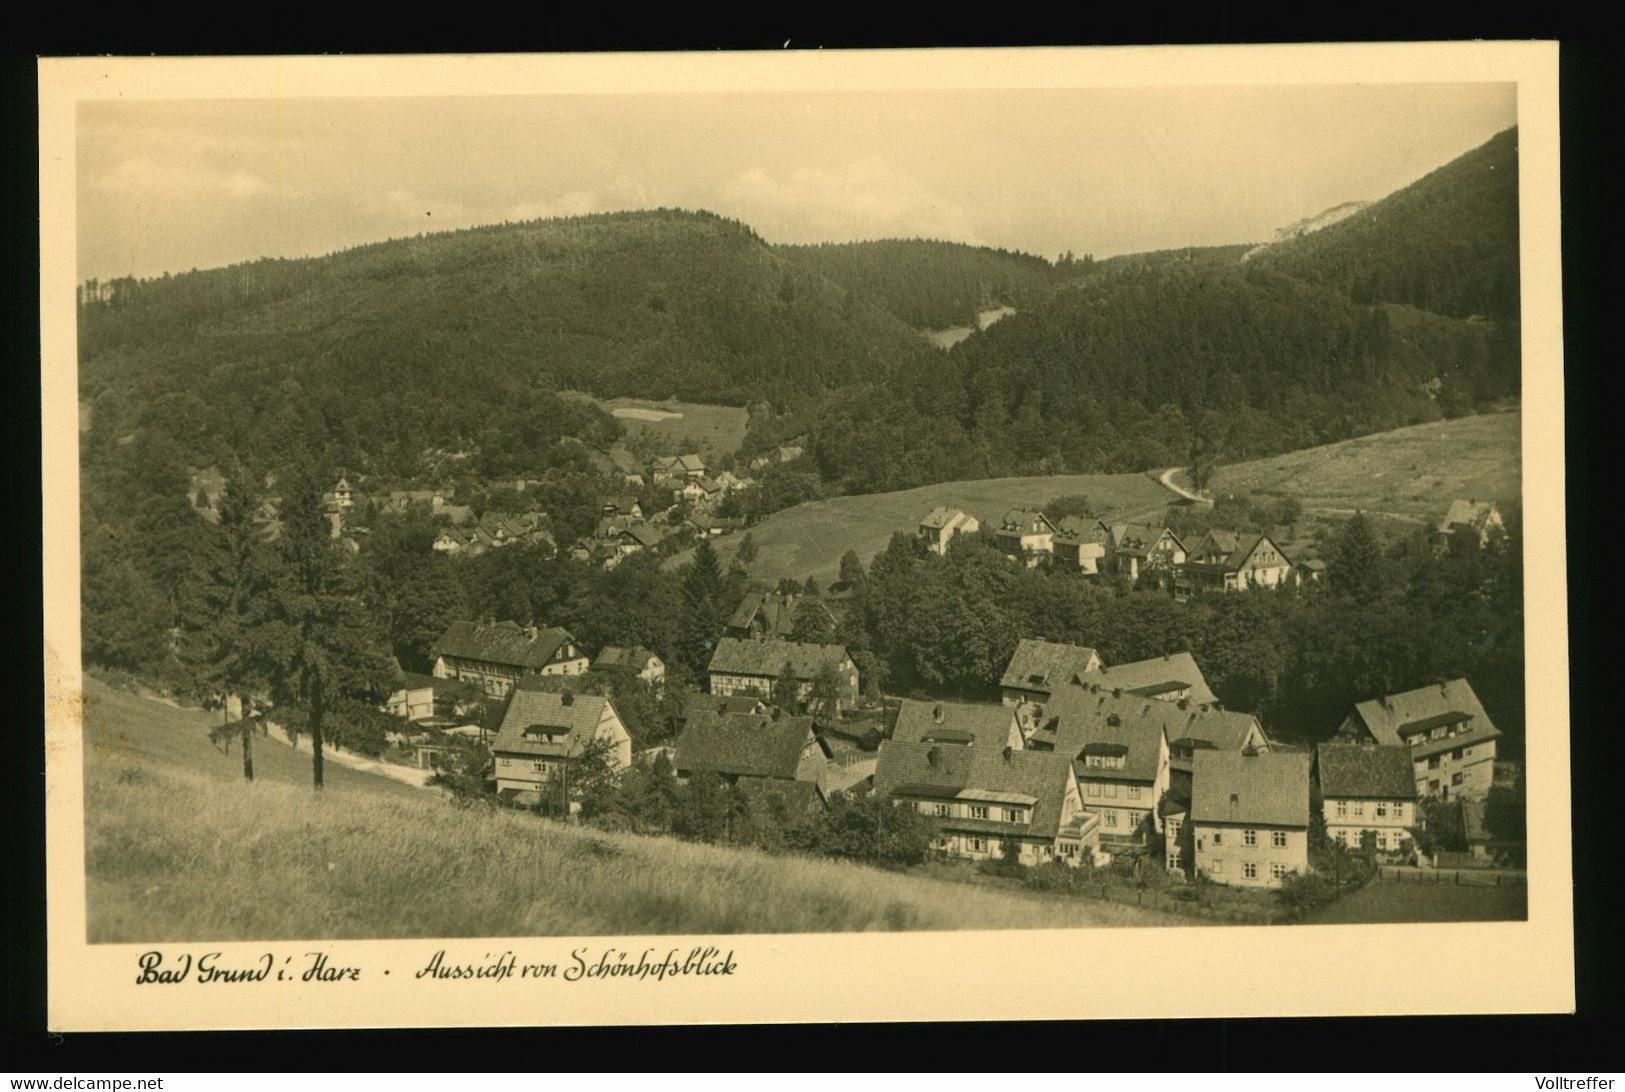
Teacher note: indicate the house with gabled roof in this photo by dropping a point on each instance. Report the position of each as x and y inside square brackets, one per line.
[771, 615]
[956, 722]
[1249, 816]
[1081, 544]
[545, 734]
[1171, 677]
[982, 797]
[1119, 754]
[1367, 790]
[1136, 548]
[1479, 521]
[637, 661]
[626, 506]
[1039, 667]
[941, 524]
[754, 667]
[677, 466]
[741, 745]
[1026, 535]
[1225, 562]
[1445, 730]
[496, 655]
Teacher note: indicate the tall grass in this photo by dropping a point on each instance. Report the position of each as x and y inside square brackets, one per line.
[175, 855]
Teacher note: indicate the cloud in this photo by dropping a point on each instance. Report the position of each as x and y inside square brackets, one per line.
[864, 200]
[142, 176]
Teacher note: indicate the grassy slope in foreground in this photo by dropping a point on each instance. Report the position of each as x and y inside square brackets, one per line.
[178, 848]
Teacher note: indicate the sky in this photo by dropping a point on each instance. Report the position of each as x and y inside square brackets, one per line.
[169, 186]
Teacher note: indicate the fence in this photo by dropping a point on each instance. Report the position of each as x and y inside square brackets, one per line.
[1459, 877]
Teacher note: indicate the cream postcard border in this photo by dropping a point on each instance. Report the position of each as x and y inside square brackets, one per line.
[997, 975]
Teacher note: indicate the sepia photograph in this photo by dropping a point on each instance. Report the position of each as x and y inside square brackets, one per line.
[638, 504]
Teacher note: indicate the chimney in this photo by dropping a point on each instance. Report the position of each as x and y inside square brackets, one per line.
[1248, 751]
[933, 757]
[1183, 702]
[1113, 720]
[1008, 751]
[567, 698]
[936, 713]
[1117, 691]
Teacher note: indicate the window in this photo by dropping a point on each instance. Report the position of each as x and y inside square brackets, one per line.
[940, 809]
[977, 845]
[1342, 837]
[1278, 839]
[1094, 789]
[1359, 807]
[1433, 763]
[1433, 786]
[1218, 867]
[1014, 815]
[1110, 817]
[1173, 857]
[978, 811]
[1342, 808]
[1133, 792]
[1249, 870]
[1382, 810]
[538, 765]
[1277, 870]
[1111, 792]
[1218, 837]
[1455, 755]
[1399, 812]
[1249, 837]
[1455, 778]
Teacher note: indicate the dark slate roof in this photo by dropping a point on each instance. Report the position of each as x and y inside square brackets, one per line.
[1044, 665]
[505, 643]
[778, 611]
[566, 728]
[942, 517]
[1271, 789]
[1072, 706]
[616, 658]
[1356, 771]
[1026, 521]
[983, 723]
[947, 771]
[1475, 515]
[1386, 717]
[1145, 676]
[742, 744]
[1085, 729]
[766, 659]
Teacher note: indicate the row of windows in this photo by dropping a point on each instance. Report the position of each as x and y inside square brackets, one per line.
[1386, 839]
[1109, 790]
[973, 811]
[1381, 809]
[1455, 756]
[1249, 869]
[1250, 838]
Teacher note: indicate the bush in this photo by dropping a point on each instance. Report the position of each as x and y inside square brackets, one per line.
[1301, 892]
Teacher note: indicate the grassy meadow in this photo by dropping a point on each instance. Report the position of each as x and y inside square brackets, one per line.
[1392, 902]
[1402, 478]
[693, 426]
[179, 848]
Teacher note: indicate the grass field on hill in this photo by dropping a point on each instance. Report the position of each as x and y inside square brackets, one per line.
[178, 848]
[1406, 476]
[1410, 471]
[713, 430]
[810, 538]
[1390, 902]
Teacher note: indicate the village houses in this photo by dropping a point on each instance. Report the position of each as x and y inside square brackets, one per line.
[754, 667]
[1039, 667]
[940, 525]
[496, 655]
[1226, 562]
[1081, 544]
[771, 615]
[1367, 790]
[746, 747]
[1025, 535]
[1479, 522]
[984, 795]
[1172, 677]
[921, 721]
[1119, 755]
[676, 467]
[636, 661]
[1135, 548]
[1445, 731]
[545, 734]
[1249, 816]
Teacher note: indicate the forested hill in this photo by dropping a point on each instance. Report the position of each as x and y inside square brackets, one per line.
[930, 284]
[447, 339]
[1147, 367]
[1446, 243]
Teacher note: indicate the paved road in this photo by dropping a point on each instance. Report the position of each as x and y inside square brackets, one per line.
[1167, 479]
